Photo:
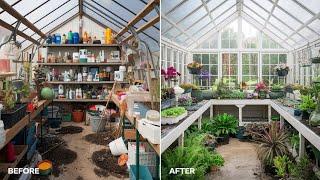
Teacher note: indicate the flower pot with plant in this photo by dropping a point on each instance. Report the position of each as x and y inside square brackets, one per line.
[315, 115]
[307, 106]
[188, 87]
[276, 91]
[12, 112]
[167, 98]
[316, 60]
[197, 93]
[221, 126]
[282, 69]
[173, 115]
[261, 89]
[194, 67]
[170, 75]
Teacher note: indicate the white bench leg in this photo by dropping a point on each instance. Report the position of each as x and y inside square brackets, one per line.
[302, 147]
[181, 140]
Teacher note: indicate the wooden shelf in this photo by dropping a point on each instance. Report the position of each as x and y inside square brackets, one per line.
[81, 45]
[80, 100]
[14, 130]
[84, 82]
[82, 64]
[7, 74]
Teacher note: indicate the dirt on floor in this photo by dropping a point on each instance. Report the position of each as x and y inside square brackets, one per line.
[101, 138]
[108, 164]
[70, 130]
[83, 167]
[241, 162]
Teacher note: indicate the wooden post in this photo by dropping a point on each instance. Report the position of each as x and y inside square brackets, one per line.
[269, 113]
[199, 122]
[181, 140]
[302, 147]
[80, 18]
[211, 111]
[281, 122]
[240, 106]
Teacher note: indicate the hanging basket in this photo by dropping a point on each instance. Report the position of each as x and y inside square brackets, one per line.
[194, 70]
[282, 72]
[315, 60]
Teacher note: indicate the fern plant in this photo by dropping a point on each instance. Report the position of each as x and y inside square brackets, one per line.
[221, 125]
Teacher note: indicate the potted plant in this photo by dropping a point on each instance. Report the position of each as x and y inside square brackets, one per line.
[282, 69]
[196, 93]
[307, 106]
[170, 75]
[173, 115]
[261, 89]
[194, 67]
[315, 115]
[12, 112]
[221, 126]
[188, 87]
[316, 59]
[167, 98]
[288, 88]
[276, 91]
[185, 101]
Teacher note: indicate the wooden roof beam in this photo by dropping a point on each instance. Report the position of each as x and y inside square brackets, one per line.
[11, 28]
[144, 27]
[5, 6]
[145, 11]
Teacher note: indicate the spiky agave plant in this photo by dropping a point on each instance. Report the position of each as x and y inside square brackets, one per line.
[272, 143]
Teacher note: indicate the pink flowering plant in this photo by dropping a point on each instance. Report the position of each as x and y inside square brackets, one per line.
[261, 87]
[170, 74]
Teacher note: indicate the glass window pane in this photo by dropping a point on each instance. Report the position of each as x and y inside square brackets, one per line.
[197, 58]
[213, 58]
[313, 5]
[286, 18]
[315, 25]
[223, 8]
[256, 8]
[205, 58]
[273, 58]
[180, 12]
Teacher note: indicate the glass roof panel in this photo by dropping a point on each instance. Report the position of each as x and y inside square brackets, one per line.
[308, 33]
[252, 14]
[223, 8]
[295, 10]
[167, 5]
[187, 22]
[280, 25]
[286, 18]
[24, 7]
[276, 31]
[7, 18]
[291, 42]
[199, 25]
[256, 8]
[165, 25]
[313, 5]
[134, 5]
[182, 38]
[214, 3]
[184, 9]
[172, 33]
[315, 25]
[225, 15]
[203, 31]
[265, 4]
[297, 38]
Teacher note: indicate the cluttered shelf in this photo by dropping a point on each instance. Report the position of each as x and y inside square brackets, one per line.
[84, 82]
[83, 64]
[7, 74]
[13, 131]
[116, 100]
[80, 100]
[81, 45]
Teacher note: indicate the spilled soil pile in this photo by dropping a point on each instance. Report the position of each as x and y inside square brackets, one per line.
[108, 164]
[101, 138]
[70, 130]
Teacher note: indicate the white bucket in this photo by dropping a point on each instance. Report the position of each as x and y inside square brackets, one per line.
[118, 147]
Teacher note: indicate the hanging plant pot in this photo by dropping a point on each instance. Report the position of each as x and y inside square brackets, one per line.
[282, 72]
[194, 70]
[315, 60]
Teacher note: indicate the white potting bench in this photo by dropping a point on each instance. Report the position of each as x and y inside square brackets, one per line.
[285, 113]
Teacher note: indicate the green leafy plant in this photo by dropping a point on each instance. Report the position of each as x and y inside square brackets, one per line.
[173, 112]
[193, 155]
[221, 125]
[284, 166]
[236, 94]
[303, 169]
[307, 103]
[294, 140]
[186, 86]
[272, 143]
[9, 99]
[167, 93]
[277, 87]
[185, 101]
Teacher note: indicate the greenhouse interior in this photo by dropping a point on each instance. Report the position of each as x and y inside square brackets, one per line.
[79, 89]
[240, 83]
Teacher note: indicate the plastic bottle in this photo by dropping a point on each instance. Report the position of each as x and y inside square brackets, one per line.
[70, 37]
[108, 36]
[2, 134]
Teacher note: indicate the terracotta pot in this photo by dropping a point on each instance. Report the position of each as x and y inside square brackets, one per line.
[77, 116]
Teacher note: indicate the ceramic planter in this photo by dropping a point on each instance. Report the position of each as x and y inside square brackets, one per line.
[173, 120]
[223, 140]
[207, 94]
[282, 72]
[276, 94]
[167, 103]
[197, 94]
[194, 70]
[262, 95]
[297, 112]
[315, 117]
